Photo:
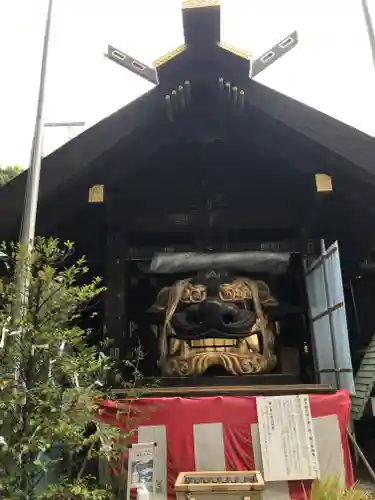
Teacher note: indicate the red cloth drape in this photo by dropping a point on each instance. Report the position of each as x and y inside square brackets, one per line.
[236, 414]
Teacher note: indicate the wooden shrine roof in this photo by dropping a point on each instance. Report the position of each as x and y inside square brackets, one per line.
[120, 136]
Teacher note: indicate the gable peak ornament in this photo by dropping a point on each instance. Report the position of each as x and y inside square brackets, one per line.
[195, 14]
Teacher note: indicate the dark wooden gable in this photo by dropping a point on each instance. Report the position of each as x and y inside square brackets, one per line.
[286, 131]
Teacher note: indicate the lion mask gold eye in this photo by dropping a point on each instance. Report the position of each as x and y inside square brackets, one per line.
[194, 294]
[227, 293]
[234, 292]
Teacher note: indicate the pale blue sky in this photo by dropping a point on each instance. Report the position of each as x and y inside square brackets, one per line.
[330, 70]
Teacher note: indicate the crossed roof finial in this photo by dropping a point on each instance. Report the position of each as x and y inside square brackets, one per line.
[201, 24]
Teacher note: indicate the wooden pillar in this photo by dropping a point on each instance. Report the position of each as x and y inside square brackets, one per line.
[116, 324]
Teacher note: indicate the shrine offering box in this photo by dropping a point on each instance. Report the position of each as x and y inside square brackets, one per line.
[234, 485]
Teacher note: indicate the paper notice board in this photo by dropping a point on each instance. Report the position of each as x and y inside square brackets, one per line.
[287, 438]
[141, 468]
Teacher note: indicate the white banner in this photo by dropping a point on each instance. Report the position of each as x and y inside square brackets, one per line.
[287, 438]
[141, 467]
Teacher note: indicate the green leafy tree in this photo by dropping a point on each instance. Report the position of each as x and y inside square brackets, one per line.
[51, 379]
[8, 173]
[331, 489]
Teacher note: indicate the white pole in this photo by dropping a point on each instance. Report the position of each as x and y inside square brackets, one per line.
[369, 28]
[32, 188]
[27, 233]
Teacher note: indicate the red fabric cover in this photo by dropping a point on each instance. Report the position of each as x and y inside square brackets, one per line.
[236, 414]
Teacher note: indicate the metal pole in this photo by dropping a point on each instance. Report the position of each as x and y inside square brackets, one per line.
[358, 450]
[32, 188]
[27, 233]
[369, 28]
[56, 125]
[64, 124]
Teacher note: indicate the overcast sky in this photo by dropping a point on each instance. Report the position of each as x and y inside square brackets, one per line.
[331, 69]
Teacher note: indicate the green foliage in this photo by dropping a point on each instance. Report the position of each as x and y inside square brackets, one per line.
[330, 489]
[8, 173]
[51, 380]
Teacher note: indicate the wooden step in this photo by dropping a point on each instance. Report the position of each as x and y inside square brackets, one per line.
[260, 390]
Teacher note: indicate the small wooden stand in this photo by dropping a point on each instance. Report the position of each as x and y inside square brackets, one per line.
[235, 485]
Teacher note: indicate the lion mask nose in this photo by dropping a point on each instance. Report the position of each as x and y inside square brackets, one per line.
[216, 312]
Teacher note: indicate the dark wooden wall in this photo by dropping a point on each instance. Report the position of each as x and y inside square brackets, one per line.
[223, 194]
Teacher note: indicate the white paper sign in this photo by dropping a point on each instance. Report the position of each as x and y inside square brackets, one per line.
[141, 467]
[287, 438]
